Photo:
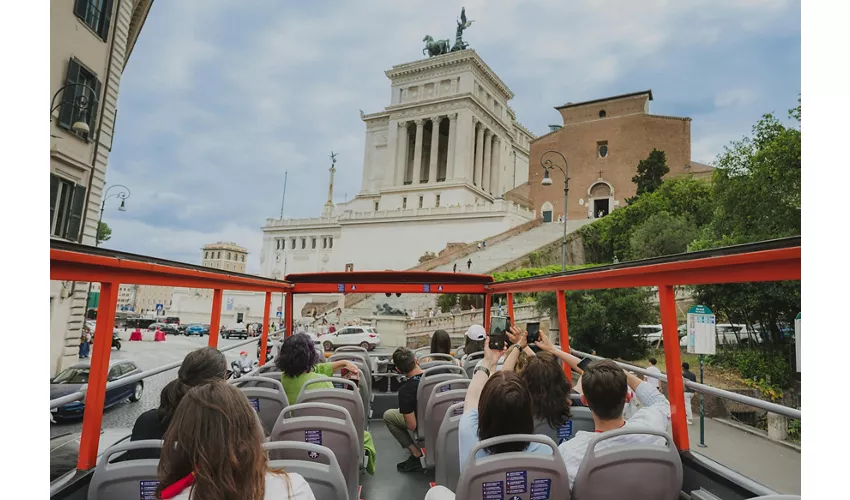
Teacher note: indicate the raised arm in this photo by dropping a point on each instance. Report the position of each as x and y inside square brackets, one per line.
[545, 344]
[480, 377]
[520, 341]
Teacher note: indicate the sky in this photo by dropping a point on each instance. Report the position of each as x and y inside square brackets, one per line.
[221, 97]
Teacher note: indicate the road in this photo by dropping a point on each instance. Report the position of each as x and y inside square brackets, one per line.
[148, 355]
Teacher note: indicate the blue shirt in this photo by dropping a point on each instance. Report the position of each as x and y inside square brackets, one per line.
[467, 435]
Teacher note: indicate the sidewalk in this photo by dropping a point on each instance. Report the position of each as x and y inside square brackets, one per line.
[771, 464]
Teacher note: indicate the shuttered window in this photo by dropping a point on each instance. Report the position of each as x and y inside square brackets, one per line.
[69, 113]
[96, 14]
[67, 201]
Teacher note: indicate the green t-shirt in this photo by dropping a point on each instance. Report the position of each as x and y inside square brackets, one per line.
[292, 385]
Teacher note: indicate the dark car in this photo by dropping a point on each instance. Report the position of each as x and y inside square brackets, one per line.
[64, 451]
[168, 329]
[73, 378]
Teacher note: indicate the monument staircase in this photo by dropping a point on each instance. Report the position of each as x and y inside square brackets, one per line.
[501, 251]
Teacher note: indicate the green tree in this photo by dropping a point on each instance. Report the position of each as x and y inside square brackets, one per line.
[605, 320]
[104, 232]
[757, 194]
[650, 173]
[662, 234]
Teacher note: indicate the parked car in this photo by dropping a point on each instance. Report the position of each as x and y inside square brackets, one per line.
[71, 379]
[653, 336]
[728, 334]
[168, 329]
[363, 336]
[196, 329]
[172, 320]
[65, 450]
[236, 330]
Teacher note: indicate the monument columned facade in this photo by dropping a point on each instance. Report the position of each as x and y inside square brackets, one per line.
[438, 160]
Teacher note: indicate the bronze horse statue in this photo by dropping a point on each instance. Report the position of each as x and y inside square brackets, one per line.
[435, 47]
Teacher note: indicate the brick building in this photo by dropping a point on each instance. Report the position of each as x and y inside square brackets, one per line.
[603, 140]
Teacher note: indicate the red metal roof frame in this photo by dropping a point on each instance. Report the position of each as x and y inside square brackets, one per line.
[776, 260]
[72, 262]
[389, 282]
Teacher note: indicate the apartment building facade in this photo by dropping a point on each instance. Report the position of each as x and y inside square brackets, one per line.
[90, 44]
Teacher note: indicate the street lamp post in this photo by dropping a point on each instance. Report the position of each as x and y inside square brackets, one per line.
[123, 194]
[547, 165]
[80, 102]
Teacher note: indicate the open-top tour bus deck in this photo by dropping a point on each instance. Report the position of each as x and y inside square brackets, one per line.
[337, 473]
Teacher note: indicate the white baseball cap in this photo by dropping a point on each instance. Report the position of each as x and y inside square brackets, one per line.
[476, 332]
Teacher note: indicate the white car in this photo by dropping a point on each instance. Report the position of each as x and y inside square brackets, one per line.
[236, 330]
[726, 334]
[652, 333]
[363, 336]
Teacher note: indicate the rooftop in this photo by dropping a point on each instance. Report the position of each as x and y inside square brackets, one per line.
[594, 101]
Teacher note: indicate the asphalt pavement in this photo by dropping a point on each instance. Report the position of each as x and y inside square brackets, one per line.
[147, 355]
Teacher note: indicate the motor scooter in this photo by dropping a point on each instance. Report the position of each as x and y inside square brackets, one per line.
[237, 372]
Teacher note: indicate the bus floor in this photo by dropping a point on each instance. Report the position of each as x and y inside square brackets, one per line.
[388, 483]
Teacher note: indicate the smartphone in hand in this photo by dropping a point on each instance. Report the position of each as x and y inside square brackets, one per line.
[498, 326]
[533, 330]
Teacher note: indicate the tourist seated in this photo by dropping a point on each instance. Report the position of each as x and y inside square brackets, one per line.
[441, 343]
[401, 421]
[213, 449]
[299, 362]
[492, 397]
[543, 376]
[199, 367]
[605, 387]
[475, 335]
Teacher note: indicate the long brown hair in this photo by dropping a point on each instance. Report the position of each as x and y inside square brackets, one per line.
[215, 434]
[549, 389]
[504, 408]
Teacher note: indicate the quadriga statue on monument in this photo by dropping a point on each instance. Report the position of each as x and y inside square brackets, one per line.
[439, 47]
[435, 47]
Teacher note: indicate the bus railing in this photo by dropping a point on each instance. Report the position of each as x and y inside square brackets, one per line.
[76, 396]
[707, 389]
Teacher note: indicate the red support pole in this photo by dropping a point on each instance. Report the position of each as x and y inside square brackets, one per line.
[98, 372]
[265, 338]
[287, 315]
[215, 317]
[488, 301]
[564, 329]
[675, 384]
[510, 299]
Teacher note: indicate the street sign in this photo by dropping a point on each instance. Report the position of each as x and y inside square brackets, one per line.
[426, 288]
[797, 340]
[230, 303]
[159, 307]
[439, 288]
[340, 288]
[279, 314]
[279, 309]
[701, 336]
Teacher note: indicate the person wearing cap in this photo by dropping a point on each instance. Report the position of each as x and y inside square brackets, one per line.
[243, 361]
[475, 336]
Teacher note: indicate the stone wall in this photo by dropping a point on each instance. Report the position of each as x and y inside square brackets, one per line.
[549, 255]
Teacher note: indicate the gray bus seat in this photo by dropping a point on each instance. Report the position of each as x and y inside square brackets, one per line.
[459, 352]
[437, 356]
[271, 374]
[777, 497]
[299, 422]
[427, 381]
[365, 390]
[635, 471]
[580, 420]
[515, 473]
[268, 367]
[128, 478]
[435, 410]
[322, 473]
[422, 351]
[447, 469]
[256, 381]
[437, 362]
[268, 402]
[350, 400]
[470, 362]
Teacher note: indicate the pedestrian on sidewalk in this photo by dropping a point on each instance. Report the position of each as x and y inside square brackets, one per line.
[689, 393]
[469, 264]
[654, 382]
[479, 245]
[455, 267]
[84, 345]
[484, 244]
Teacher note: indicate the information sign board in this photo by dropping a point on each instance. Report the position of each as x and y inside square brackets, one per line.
[701, 336]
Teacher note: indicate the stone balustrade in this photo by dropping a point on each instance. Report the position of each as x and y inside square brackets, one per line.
[456, 325]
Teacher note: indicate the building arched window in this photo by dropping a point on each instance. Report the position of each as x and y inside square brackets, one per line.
[602, 114]
[206, 255]
[228, 255]
[243, 258]
[218, 256]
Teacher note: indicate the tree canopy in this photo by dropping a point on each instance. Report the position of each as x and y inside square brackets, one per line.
[104, 232]
[650, 173]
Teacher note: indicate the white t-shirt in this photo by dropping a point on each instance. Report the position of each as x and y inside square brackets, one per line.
[654, 382]
[655, 414]
[277, 488]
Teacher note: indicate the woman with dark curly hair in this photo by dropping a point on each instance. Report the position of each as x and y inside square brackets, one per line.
[299, 362]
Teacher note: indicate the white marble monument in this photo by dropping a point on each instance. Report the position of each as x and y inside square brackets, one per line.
[438, 160]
